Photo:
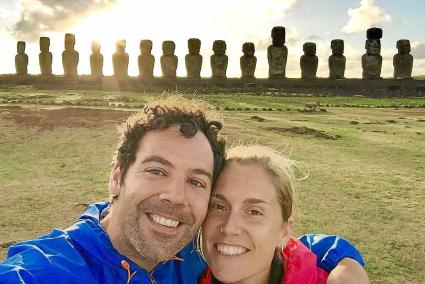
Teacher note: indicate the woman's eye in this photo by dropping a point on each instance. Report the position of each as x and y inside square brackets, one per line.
[218, 207]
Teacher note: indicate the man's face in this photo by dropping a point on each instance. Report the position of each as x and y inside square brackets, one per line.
[165, 194]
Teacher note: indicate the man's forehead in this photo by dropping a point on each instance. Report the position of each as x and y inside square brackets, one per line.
[171, 145]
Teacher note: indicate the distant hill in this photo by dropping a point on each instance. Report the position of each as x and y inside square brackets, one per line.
[420, 77]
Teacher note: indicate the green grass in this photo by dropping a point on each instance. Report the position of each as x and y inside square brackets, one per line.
[31, 96]
[368, 185]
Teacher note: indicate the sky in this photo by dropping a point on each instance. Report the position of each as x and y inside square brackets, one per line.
[235, 21]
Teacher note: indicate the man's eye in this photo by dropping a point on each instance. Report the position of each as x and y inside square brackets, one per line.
[156, 172]
[196, 183]
[255, 212]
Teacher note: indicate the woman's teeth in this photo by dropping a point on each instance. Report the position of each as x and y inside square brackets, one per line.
[230, 250]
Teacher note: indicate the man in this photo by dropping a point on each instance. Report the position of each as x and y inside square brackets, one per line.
[167, 161]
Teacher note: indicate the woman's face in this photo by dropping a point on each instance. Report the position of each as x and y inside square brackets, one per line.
[243, 226]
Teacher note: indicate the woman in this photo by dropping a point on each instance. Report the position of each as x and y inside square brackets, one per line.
[246, 235]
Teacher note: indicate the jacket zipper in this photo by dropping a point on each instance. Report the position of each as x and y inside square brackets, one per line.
[153, 281]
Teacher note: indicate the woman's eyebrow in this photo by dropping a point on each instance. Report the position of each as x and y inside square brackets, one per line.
[219, 196]
[255, 201]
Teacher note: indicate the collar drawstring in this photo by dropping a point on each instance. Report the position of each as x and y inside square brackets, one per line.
[126, 266]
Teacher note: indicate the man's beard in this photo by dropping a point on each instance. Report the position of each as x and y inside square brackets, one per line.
[155, 247]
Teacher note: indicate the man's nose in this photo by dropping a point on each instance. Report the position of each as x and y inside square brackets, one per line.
[232, 224]
[175, 192]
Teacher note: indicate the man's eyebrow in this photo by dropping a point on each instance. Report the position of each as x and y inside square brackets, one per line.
[161, 160]
[158, 159]
[203, 172]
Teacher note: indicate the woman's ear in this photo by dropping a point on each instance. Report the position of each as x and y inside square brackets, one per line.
[287, 228]
[115, 180]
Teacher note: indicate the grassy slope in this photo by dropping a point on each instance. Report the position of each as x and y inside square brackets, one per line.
[367, 186]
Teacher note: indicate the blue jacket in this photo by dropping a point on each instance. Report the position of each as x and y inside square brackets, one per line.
[83, 253]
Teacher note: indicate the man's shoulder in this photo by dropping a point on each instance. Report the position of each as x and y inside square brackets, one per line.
[42, 260]
[61, 253]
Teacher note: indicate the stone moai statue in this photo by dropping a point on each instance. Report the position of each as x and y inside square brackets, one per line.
[96, 60]
[372, 59]
[45, 57]
[248, 61]
[219, 59]
[146, 60]
[277, 53]
[169, 61]
[70, 56]
[193, 60]
[120, 60]
[403, 60]
[337, 60]
[309, 61]
[21, 59]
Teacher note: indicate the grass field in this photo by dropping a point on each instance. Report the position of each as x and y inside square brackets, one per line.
[365, 157]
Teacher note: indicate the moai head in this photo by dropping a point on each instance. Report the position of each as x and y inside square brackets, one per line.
[194, 45]
[146, 46]
[403, 46]
[373, 42]
[248, 49]
[95, 47]
[168, 47]
[278, 36]
[309, 48]
[337, 46]
[44, 44]
[219, 47]
[20, 47]
[69, 41]
[120, 45]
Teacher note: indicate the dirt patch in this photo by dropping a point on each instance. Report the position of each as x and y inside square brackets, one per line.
[258, 118]
[47, 119]
[7, 244]
[304, 131]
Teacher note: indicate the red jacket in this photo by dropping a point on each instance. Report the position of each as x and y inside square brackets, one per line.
[299, 265]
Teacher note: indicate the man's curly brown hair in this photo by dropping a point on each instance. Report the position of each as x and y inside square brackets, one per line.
[192, 116]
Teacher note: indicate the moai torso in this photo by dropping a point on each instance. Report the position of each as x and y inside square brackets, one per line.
[219, 59]
[337, 60]
[193, 60]
[403, 60]
[70, 56]
[277, 54]
[45, 57]
[96, 60]
[120, 60]
[146, 60]
[248, 61]
[372, 60]
[309, 61]
[21, 59]
[168, 60]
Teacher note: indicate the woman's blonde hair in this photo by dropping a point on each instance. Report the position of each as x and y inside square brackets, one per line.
[277, 164]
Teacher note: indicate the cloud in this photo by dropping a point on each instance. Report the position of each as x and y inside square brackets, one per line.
[364, 17]
[418, 50]
[43, 16]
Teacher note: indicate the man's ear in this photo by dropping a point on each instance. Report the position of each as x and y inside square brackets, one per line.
[115, 180]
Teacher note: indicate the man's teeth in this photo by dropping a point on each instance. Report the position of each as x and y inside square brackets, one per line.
[230, 250]
[164, 221]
